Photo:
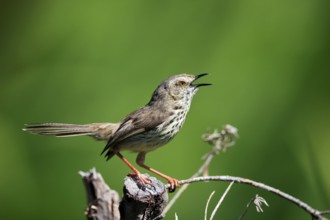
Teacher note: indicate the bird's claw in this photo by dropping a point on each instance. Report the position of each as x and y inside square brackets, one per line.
[142, 179]
[174, 183]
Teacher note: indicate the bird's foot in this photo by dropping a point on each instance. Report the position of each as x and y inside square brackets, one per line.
[174, 183]
[141, 178]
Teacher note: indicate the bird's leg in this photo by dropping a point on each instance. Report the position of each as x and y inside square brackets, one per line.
[135, 171]
[173, 182]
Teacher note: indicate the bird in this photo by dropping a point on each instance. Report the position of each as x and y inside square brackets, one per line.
[144, 130]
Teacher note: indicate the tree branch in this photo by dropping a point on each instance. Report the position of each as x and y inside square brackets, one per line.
[316, 214]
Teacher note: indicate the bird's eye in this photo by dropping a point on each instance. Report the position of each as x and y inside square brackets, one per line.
[181, 83]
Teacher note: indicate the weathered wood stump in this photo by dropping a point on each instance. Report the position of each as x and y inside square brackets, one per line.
[140, 201]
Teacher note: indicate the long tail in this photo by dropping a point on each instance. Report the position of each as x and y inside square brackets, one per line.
[99, 131]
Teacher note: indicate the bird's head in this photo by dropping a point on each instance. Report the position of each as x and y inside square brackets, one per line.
[178, 88]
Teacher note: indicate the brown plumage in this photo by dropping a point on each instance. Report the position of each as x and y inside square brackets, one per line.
[143, 130]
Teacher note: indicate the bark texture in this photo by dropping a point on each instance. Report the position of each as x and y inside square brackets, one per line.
[140, 201]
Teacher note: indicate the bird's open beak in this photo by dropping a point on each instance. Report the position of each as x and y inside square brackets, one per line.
[200, 84]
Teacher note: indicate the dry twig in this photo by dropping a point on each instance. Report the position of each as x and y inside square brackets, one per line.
[220, 141]
[316, 214]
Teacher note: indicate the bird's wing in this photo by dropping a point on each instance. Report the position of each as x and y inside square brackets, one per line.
[136, 123]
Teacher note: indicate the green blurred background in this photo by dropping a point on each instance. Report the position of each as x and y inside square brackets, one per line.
[95, 61]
